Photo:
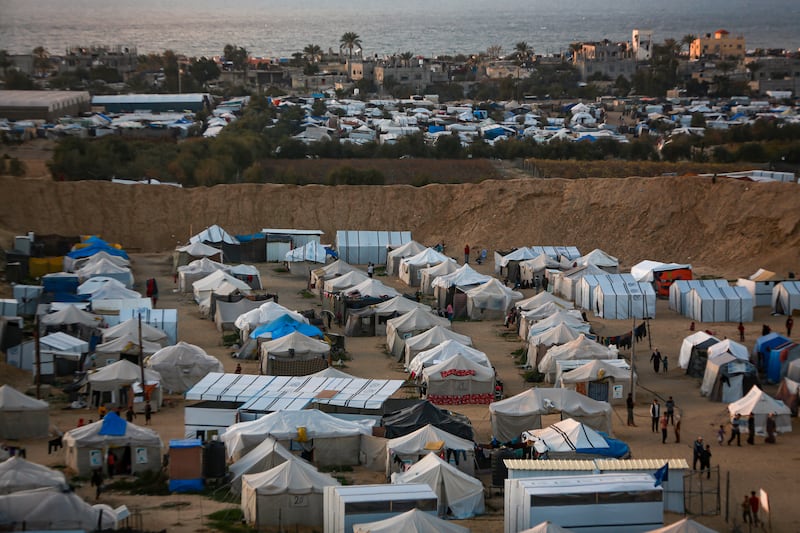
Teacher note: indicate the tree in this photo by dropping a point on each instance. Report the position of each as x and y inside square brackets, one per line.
[313, 53]
[687, 41]
[523, 52]
[350, 40]
[405, 58]
[236, 55]
[494, 51]
[5, 60]
[204, 70]
[41, 60]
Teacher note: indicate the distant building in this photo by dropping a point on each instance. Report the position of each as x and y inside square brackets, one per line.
[123, 103]
[606, 59]
[121, 58]
[416, 73]
[769, 74]
[43, 105]
[359, 69]
[720, 45]
[642, 44]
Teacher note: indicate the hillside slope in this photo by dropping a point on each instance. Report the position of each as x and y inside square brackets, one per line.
[728, 228]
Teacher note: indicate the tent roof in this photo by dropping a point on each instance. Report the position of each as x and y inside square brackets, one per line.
[183, 365]
[109, 291]
[462, 277]
[198, 266]
[758, 402]
[126, 343]
[643, 271]
[408, 249]
[266, 313]
[407, 420]
[415, 442]
[18, 474]
[595, 370]
[312, 251]
[102, 254]
[345, 281]
[70, 315]
[331, 372]
[580, 348]
[542, 298]
[434, 337]
[558, 334]
[442, 269]
[493, 287]
[61, 341]
[102, 266]
[214, 234]
[543, 311]
[93, 436]
[571, 318]
[598, 258]
[254, 457]
[520, 254]
[371, 287]
[283, 326]
[687, 525]
[199, 249]
[296, 341]
[216, 279]
[131, 326]
[762, 275]
[417, 319]
[459, 361]
[566, 436]
[413, 521]
[543, 401]
[547, 527]
[739, 351]
[96, 283]
[428, 256]
[120, 373]
[13, 400]
[337, 267]
[294, 476]
[399, 304]
[444, 351]
[52, 508]
[690, 342]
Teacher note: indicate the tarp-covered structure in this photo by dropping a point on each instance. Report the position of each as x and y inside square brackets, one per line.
[413, 521]
[408, 448]
[679, 300]
[490, 300]
[181, 366]
[408, 325]
[444, 351]
[226, 312]
[538, 268]
[370, 288]
[289, 494]
[18, 474]
[22, 417]
[267, 455]
[430, 339]
[219, 282]
[460, 495]
[570, 439]
[52, 509]
[197, 270]
[458, 380]
[396, 255]
[371, 320]
[294, 354]
[572, 318]
[719, 304]
[345, 281]
[580, 348]
[761, 405]
[565, 283]
[687, 525]
[512, 416]
[70, 315]
[127, 345]
[417, 416]
[264, 314]
[774, 353]
[303, 260]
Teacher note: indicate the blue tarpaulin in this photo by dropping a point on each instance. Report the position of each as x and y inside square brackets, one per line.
[89, 251]
[283, 326]
[113, 426]
[185, 443]
[186, 485]
[61, 283]
[616, 448]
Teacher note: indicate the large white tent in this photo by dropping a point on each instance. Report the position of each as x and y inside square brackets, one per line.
[71, 315]
[539, 267]
[394, 256]
[430, 339]
[130, 327]
[267, 455]
[571, 318]
[465, 276]
[540, 343]
[52, 509]
[599, 380]
[459, 380]
[428, 275]
[371, 288]
[312, 252]
[193, 251]
[580, 348]
[490, 300]
[719, 304]
[345, 281]
[197, 270]
[289, 494]
[264, 314]
[204, 287]
[444, 351]
[413, 521]
[331, 270]
[520, 254]
[726, 378]
[739, 351]
[619, 297]
[108, 269]
[181, 366]
[22, 417]
[214, 234]
[460, 493]
[411, 267]
[601, 259]
[679, 300]
[408, 325]
[761, 405]
[294, 347]
[17, 474]
[408, 448]
[565, 437]
[102, 255]
[565, 283]
[127, 344]
[122, 374]
[371, 320]
[688, 344]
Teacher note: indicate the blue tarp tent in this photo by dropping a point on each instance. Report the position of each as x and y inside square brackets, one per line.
[283, 326]
[89, 251]
[113, 425]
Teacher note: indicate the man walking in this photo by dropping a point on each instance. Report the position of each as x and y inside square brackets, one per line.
[466, 254]
[655, 414]
[664, 425]
[789, 325]
[655, 358]
[629, 404]
[735, 434]
[670, 407]
[754, 506]
[751, 429]
[697, 452]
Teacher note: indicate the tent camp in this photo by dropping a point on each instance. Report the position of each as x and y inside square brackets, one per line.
[580, 348]
[490, 300]
[22, 417]
[53, 509]
[423, 413]
[761, 405]
[370, 321]
[329, 271]
[458, 380]
[523, 412]
[331, 440]
[267, 455]
[138, 449]
[694, 353]
[539, 344]
[619, 297]
[570, 439]
[130, 327]
[444, 351]
[786, 297]
[789, 394]
[406, 450]
[396, 255]
[410, 324]
[727, 378]
[411, 267]
[460, 495]
[294, 354]
[195, 271]
[686, 525]
[413, 521]
[599, 380]
[661, 275]
[430, 339]
[116, 380]
[181, 366]
[428, 275]
[17, 474]
[289, 494]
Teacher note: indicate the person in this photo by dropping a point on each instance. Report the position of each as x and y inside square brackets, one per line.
[691, 326]
[101, 411]
[665, 364]
[789, 325]
[370, 269]
[97, 482]
[545, 283]
[772, 428]
[238, 368]
[130, 415]
[741, 332]
[705, 460]
[677, 428]
[152, 290]
[735, 430]
[655, 414]
[664, 426]
[449, 312]
[148, 413]
[466, 254]
[670, 407]
[111, 461]
[747, 516]
[655, 358]
[629, 403]
[721, 434]
[754, 506]
[697, 452]
[751, 429]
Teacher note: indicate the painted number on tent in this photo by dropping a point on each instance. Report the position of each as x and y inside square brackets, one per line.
[299, 500]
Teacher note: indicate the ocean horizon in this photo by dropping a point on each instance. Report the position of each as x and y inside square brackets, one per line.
[267, 28]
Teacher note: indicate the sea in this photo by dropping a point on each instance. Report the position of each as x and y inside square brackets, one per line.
[279, 28]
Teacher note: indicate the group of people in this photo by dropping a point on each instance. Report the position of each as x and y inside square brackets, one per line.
[659, 361]
[660, 420]
[701, 453]
[738, 423]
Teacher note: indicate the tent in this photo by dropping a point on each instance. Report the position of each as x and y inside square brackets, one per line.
[408, 325]
[130, 328]
[565, 284]
[464, 276]
[118, 260]
[661, 275]
[719, 304]
[540, 313]
[580, 348]
[413, 521]
[512, 416]
[121, 375]
[679, 300]
[686, 525]
[460, 495]
[786, 297]
[569, 437]
[572, 318]
[331, 440]
[364, 246]
[727, 378]
[22, 417]
[289, 494]
[370, 288]
[408, 448]
[108, 269]
[491, 300]
[411, 267]
[396, 255]
[181, 366]
[428, 275]
[214, 234]
[459, 380]
[332, 270]
[508, 264]
[444, 351]
[760, 286]
[195, 271]
[51, 509]
[345, 281]
[127, 344]
[193, 251]
[789, 394]
[739, 351]
[294, 354]
[112, 291]
[539, 344]
[303, 260]
[371, 320]
[70, 315]
[424, 413]
[774, 352]
[693, 353]
[600, 259]
[226, 313]
[282, 326]
[537, 268]
[618, 297]
[267, 455]
[17, 474]
[599, 380]
[430, 339]
[264, 314]
[204, 287]
[87, 447]
[761, 405]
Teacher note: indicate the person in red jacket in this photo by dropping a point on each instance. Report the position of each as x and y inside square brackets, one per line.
[466, 254]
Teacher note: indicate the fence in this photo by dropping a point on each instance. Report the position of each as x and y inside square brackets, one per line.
[701, 493]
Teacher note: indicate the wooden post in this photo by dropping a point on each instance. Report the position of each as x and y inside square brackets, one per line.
[141, 363]
[36, 336]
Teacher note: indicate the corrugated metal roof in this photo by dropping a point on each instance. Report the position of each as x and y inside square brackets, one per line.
[641, 464]
[148, 98]
[549, 464]
[604, 465]
[287, 231]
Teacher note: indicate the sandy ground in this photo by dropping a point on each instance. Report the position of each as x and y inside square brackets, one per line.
[771, 467]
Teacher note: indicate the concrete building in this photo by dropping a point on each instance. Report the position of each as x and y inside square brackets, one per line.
[606, 59]
[642, 43]
[43, 105]
[416, 73]
[121, 58]
[720, 45]
[774, 74]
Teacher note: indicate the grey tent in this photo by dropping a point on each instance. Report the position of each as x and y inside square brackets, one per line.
[22, 417]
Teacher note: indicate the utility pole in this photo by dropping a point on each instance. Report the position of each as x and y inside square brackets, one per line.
[36, 336]
[141, 361]
[633, 359]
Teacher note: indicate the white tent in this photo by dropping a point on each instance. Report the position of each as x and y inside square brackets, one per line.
[122, 374]
[22, 417]
[92, 285]
[580, 348]
[126, 344]
[530, 269]
[601, 259]
[337, 268]
[71, 315]
[538, 344]
[491, 300]
[214, 234]
[464, 276]
[289, 494]
[110, 291]
[265, 314]
[413, 521]
[345, 281]
[444, 351]
[760, 286]
[267, 455]
[393, 257]
[739, 351]
[411, 267]
[688, 344]
[643, 271]
[17, 474]
[371, 288]
[564, 437]
[99, 256]
[294, 347]
[428, 275]
[371, 320]
[409, 448]
[181, 366]
[540, 299]
[571, 318]
[430, 339]
[130, 327]
[520, 254]
[686, 525]
[719, 303]
[199, 250]
[565, 284]
[50, 509]
[460, 493]
[618, 297]
[540, 313]
[195, 271]
[459, 380]
[786, 297]
[726, 378]
[108, 269]
[761, 405]
[599, 380]
[512, 416]
[204, 287]
[312, 252]
[408, 325]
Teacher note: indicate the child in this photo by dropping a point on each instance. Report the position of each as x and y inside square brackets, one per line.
[721, 434]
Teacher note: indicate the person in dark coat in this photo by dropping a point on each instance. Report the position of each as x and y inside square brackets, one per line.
[655, 415]
[655, 358]
[751, 429]
[705, 460]
[697, 453]
[629, 404]
[772, 429]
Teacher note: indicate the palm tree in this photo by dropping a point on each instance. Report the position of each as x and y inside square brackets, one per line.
[313, 53]
[687, 40]
[350, 40]
[405, 57]
[41, 60]
[523, 52]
